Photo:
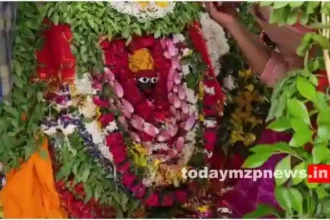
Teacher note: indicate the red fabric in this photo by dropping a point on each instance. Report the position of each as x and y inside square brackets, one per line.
[199, 43]
[55, 60]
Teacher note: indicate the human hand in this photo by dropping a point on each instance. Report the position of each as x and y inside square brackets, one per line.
[224, 13]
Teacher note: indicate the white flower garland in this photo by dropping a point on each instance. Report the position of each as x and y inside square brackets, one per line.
[151, 11]
[215, 39]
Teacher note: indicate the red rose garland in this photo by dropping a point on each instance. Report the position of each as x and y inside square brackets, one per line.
[116, 57]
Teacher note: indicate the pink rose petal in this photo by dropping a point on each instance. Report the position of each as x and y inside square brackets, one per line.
[128, 106]
[190, 123]
[176, 101]
[181, 93]
[179, 143]
[184, 107]
[109, 74]
[177, 78]
[178, 116]
[171, 74]
[135, 137]
[175, 64]
[122, 121]
[173, 110]
[137, 122]
[175, 88]
[164, 136]
[171, 97]
[119, 89]
[174, 131]
[170, 84]
[126, 113]
[150, 129]
[171, 48]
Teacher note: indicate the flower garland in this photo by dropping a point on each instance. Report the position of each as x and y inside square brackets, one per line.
[144, 11]
[216, 41]
[246, 118]
[140, 121]
[180, 96]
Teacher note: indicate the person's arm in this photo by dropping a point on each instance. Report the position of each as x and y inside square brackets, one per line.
[269, 65]
[254, 50]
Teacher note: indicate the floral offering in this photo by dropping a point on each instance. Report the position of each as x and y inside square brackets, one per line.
[125, 110]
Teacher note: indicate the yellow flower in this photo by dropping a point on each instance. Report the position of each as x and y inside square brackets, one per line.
[254, 121]
[98, 114]
[236, 136]
[143, 4]
[73, 89]
[140, 149]
[201, 90]
[245, 74]
[249, 139]
[162, 4]
[201, 118]
[204, 208]
[141, 60]
[249, 88]
[156, 162]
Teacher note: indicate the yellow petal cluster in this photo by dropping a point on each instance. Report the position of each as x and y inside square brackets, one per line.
[243, 119]
[141, 60]
[162, 4]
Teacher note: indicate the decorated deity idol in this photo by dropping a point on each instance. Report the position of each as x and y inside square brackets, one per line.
[131, 100]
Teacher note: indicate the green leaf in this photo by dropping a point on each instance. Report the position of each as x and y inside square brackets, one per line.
[297, 124]
[306, 89]
[282, 197]
[304, 19]
[292, 18]
[261, 211]
[298, 170]
[321, 192]
[282, 167]
[296, 4]
[320, 153]
[313, 79]
[157, 33]
[278, 5]
[298, 109]
[322, 41]
[323, 116]
[263, 4]
[97, 192]
[277, 147]
[85, 174]
[56, 19]
[323, 132]
[17, 68]
[89, 193]
[300, 138]
[257, 160]
[311, 6]
[19, 82]
[296, 199]
[281, 124]
[310, 185]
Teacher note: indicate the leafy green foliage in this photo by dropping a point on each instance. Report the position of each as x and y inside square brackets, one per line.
[299, 107]
[98, 182]
[20, 116]
[91, 22]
